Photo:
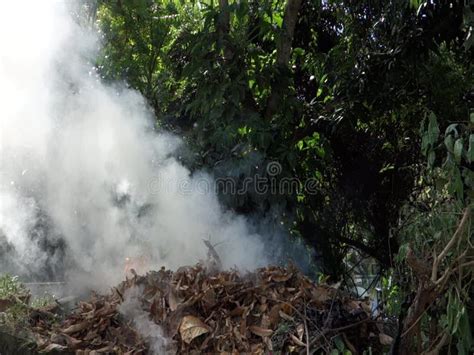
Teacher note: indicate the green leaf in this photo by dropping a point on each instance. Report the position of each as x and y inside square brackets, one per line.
[456, 186]
[430, 135]
[449, 143]
[415, 3]
[339, 344]
[433, 128]
[470, 151]
[450, 312]
[320, 152]
[458, 146]
[323, 79]
[431, 158]
[452, 128]
[465, 333]
[298, 51]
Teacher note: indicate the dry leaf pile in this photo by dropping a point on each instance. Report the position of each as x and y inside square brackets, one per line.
[272, 309]
[95, 326]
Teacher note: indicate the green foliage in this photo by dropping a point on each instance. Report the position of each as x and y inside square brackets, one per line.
[137, 36]
[11, 286]
[391, 294]
[12, 290]
[430, 222]
[453, 170]
[15, 317]
[359, 80]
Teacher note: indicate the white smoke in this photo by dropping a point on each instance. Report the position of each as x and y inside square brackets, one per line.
[86, 156]
[131, 309]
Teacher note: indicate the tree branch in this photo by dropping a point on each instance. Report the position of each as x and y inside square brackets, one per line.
[456, 235]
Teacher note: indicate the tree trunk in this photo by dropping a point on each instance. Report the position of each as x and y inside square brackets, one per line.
[223, 28]
[283, 52]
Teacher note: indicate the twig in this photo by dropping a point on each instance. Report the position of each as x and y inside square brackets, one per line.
[326, 322]
[349, 344]
[340, 329]
[235, 294]
[296, 310]
[465, 264]
[119, 293]
[416, 321]
[436, 350]
[213, 253]
[306, 330]
[305, 318]
[450, 244]
[451, 270]
[372, 283]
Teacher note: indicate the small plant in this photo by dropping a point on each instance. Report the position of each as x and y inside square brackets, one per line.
[16, 303]
[11, 286]
[14, 298]
[43, 301]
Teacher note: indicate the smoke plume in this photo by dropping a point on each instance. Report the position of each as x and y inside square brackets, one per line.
[85, 179]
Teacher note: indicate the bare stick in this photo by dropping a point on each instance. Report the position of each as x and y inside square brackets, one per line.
[306, 331]
[450, 244]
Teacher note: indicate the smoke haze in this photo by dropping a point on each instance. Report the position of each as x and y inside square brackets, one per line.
[80, 162]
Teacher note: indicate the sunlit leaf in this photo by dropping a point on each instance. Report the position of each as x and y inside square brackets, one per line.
[191, 327]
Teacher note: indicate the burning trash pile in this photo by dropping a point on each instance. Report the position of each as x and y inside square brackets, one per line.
[197, 310]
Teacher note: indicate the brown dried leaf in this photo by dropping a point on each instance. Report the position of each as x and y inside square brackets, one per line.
[274, 315]
[265, 322]
[54, 347]
[366, 306]
[65, 339]
[297, 341]
[74, 328]
[230, 308]
[322, 294]
[300, 330]
[173, 300]
[90, 335]
[268, 343]
[257, 349]
[243, 325]
[281, 277]
[191, 327]
[262, 332]
[286, 316]
[210, 297]
[156, 309]
[106, 349]
[359, 305]
[237, 311]
[385, 339]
